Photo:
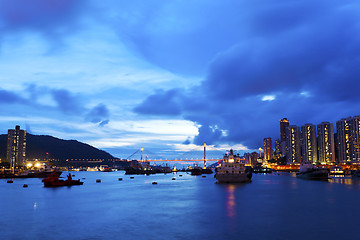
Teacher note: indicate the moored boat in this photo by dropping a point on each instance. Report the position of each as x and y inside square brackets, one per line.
[105, 168]
[206, 170]
[233, 170]
[53, 181]
[309, 171]
[196, 171]
[262, 170]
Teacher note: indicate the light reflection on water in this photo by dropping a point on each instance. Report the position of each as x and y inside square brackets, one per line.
[345, 180]
[272, 206]
[230, 203]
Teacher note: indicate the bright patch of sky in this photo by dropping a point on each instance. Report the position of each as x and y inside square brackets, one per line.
[268, 98]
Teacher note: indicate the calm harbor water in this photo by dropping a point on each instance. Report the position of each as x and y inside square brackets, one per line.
[191, 207]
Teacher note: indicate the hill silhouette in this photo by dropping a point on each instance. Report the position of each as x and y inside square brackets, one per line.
[39, 145]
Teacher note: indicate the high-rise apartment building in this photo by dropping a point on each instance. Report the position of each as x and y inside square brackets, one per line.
[268, 151]
[293, 153]
[16, 147]
[355, 139]
[277, 152]
[284, 124]
[344, 140]
[308, 144]
[254, 158]
[326, 145]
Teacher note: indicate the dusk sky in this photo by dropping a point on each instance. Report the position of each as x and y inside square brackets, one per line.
[166, 75]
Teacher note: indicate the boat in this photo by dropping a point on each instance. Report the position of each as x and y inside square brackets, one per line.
[233, 170]
[336, 170]
[206, 170]
[196, 171]
[105, 168]
[355, 173]
[309, 171]
[262, 170]
[92, 169]
[53, 181]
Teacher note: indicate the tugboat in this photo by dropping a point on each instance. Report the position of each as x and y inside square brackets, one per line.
[53, 181]
[309, 171]
[233, 170]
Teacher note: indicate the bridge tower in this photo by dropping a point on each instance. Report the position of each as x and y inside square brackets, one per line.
[204, 155]
[142, 149]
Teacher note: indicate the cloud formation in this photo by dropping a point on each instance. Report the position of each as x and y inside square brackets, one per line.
[165, 103]
[234, 68]
[7, 97]
[42, 15]
[306, 62]
[99, 114]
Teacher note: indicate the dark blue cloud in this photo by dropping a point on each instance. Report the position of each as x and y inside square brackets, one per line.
[42, 15]
[99, 114]
[7, 97]
[67, 102]
[187, 141]
[103, 123]
[208, 134]
[161, 103]
[52, 19]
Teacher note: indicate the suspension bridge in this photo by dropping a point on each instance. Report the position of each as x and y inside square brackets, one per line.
[197, 154]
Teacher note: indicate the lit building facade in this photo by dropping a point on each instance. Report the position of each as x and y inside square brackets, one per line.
[16, 147]
[355, 139]
[247, 157]
[326, 144]
[284, 124]
[268, 150]
[309, 150]
[293, 146]
[344, 140]
[254, 158]
[277, 152]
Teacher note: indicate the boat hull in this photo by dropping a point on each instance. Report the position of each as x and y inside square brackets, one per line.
[314, 175]
[234, 178]
[61, 183]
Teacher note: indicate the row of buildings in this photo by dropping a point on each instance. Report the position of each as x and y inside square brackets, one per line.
[317, 144]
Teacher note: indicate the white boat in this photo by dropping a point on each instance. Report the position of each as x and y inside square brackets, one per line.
[105, 168]
[233, 170]
[92, 169]
[309, 171]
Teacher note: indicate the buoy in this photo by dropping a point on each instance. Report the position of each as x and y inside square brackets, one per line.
[154, 182]
[173, 178]
[131, 177]
[204, 176]
[98, 180]
[10, 181]
[25, 185]
[120, 179]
